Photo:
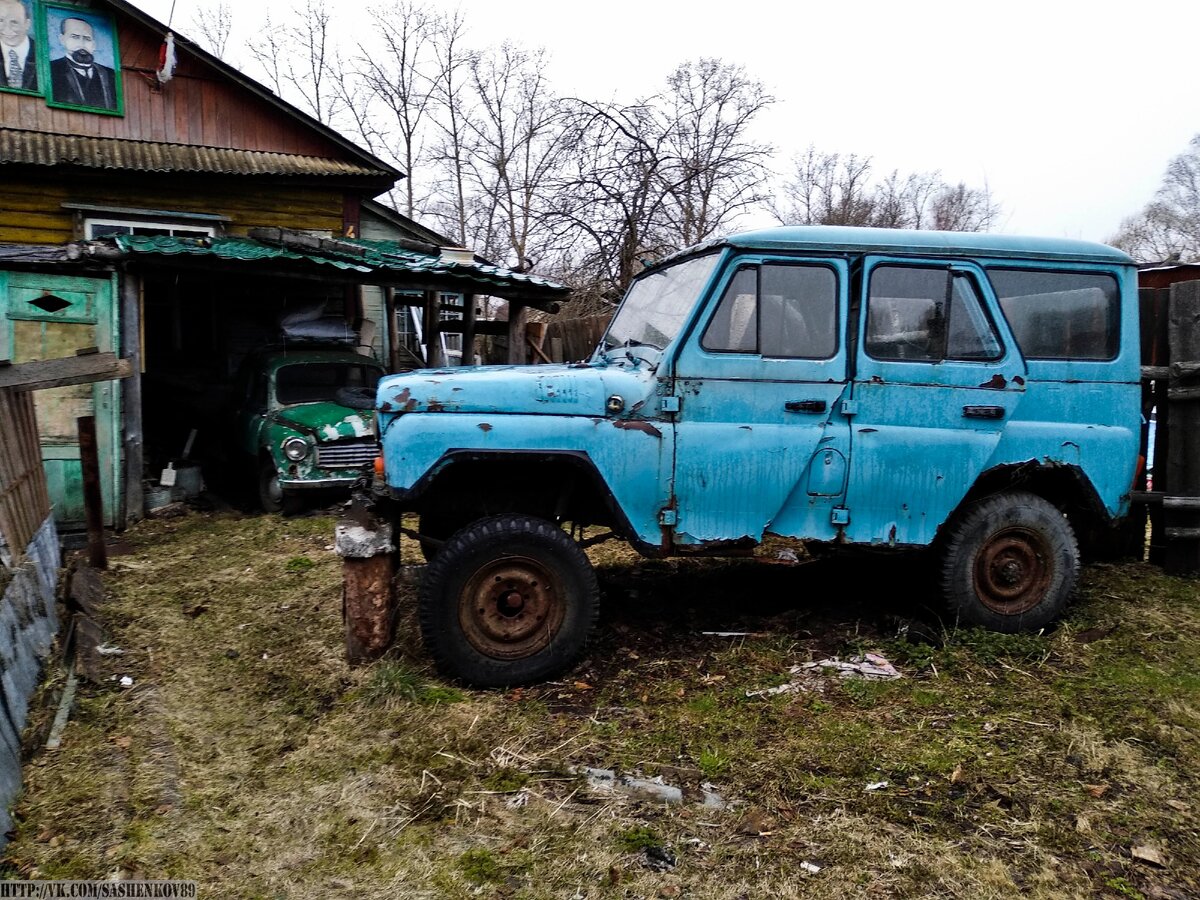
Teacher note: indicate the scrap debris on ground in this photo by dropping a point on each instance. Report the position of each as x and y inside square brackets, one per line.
[813, 677]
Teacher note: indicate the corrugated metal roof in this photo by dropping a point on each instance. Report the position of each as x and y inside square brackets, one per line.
[41, 149]
[362, 256]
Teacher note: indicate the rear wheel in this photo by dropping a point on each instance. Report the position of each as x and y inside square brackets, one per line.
[1009, 563]
[508, 600]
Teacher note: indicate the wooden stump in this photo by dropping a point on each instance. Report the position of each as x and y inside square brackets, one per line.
[368, 565]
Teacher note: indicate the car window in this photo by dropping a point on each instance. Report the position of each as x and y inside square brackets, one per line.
[970, 333]
[777, 310]
[314, 382]
[928, 314]
[906, 313]
[1060, 315]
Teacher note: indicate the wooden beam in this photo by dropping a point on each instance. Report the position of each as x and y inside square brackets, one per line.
[468, 330]
[93, 503]
[432, 329]
[517, 353]
[133, 342]
[52, 373]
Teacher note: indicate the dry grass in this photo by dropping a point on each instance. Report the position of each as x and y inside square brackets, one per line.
[249, 758]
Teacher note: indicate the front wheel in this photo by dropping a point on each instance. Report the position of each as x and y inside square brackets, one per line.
[508, 600]
[271, 495]
[1009, 563]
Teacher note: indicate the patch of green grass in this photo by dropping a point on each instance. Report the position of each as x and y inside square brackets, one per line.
[506, 780]
[637, 839]
[391, 681]
[713, 762]
[480, 866]
[1123, 888]
[298, 564]
[989, 647]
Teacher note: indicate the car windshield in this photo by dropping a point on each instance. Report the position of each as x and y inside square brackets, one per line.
[315, 382]
[657, 303]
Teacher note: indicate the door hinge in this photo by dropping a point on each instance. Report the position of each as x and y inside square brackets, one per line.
[849, 407]
[670, 404]
[668, 516]
[840, 515]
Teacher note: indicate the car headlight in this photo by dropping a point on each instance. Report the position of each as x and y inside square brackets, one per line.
[295, 448]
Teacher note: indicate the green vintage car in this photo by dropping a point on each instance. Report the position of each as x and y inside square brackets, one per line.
[290, 422]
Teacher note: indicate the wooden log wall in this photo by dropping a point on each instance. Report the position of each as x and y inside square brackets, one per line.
[24, 498]
[31, 210]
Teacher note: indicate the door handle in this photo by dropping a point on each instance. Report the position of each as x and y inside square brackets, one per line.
[983, 412]
[810, 406]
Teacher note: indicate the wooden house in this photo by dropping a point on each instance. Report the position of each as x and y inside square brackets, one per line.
[173, 216]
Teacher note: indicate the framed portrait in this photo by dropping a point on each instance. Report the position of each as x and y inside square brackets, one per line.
[82, 64]
[19, 47]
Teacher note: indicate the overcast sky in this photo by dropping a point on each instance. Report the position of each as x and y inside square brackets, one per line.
[1068, 111]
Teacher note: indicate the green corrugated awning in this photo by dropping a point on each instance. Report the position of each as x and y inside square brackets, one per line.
[376, 261]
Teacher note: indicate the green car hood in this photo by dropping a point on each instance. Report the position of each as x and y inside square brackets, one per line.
[326, 421]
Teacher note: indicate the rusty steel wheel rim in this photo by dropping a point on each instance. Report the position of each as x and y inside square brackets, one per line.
[1013, 571]
[512, 607]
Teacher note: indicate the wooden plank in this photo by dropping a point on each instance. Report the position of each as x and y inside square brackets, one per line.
[51, 373]
[1183, 463]
[517, 354]
[93, 504]
[468, 330]
[132, 500]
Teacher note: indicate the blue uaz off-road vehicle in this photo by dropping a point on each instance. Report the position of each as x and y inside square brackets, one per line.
[975, 394]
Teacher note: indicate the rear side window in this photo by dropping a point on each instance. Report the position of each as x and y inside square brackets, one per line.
[781, 311]
[1060, 315]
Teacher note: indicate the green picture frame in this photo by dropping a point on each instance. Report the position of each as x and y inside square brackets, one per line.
[81, 66]
[28, 52]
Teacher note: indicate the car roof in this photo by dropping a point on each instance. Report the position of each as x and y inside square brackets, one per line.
[908, 242]
[273, 360]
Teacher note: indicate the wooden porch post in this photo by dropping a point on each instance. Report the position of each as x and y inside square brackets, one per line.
[517, 353]
[468, 330]
[130, 506]
[432, 329]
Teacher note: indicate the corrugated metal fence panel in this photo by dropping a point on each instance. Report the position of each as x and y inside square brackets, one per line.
[24, 498]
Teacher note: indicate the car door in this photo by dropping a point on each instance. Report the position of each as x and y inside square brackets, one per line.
[760, 440]
[937, 377]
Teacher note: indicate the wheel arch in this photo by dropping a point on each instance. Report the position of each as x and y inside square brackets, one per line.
[562, 485]
[1065, 486]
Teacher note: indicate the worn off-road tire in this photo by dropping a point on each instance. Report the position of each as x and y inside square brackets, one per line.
[508, 600]
[1009, 563]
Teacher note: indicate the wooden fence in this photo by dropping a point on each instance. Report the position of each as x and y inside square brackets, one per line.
[24, 498]
[1171, 397]
[571, 340]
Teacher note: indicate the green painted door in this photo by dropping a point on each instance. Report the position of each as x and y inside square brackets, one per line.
[52, 316]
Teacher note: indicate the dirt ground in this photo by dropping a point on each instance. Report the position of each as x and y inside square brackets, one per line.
[247, 756]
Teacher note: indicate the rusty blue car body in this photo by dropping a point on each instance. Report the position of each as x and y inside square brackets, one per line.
[860, 432]
[976, 394]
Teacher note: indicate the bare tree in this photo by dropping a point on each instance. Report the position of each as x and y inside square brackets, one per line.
[715, 169]
[832, 189]
[611, 199]
[396, 73]
[1168, 228]
[518, 133]
[212, 25]
[957, 207]
[298, 59]
[451, 65]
